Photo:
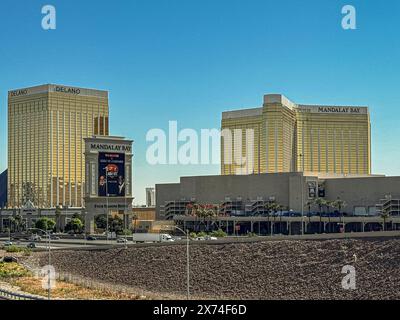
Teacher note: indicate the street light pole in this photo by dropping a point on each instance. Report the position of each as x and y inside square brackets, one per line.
[106, 204]
[302, 205]
[48, 271]
[302, 193]
[187, 263]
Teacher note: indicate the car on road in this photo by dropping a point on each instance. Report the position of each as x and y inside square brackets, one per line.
[31, 245]
[210, 238]
[122, 240]
[8, 243]
[54, 238]
[91, 238]
[35, 237]
[200, 238]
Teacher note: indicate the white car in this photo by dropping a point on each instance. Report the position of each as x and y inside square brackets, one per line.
[122, 240]
[200, 238]
[210, 238]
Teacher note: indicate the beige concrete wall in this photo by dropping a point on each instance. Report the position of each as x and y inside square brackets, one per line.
[362, 191]
[285, 187]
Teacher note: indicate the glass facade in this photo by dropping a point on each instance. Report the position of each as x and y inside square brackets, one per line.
[290, 137]
[46, 128]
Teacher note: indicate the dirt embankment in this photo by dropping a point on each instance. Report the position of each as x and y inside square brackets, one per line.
[264, 270]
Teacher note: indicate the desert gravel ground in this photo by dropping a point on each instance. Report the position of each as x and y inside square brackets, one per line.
[261, 270]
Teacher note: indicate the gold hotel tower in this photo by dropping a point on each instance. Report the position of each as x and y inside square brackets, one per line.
[289, 137]
[46, 128]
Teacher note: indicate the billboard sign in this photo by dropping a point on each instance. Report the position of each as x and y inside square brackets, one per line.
[111, 180]
[321, 189]
[312, 189]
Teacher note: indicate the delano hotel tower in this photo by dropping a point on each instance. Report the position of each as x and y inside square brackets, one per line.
[46, 128]
[291, 137]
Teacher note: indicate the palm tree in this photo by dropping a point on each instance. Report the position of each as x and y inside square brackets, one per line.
[320, 203]
[58, 220]
[329, 205]
[18, 222]
[308, 205]
[135, 218]
[274, 209]
[12, 224]
[384, 215]
[267, 206]
[339, 205]
[280, 208]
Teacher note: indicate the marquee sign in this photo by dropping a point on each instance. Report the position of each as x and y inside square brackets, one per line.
[58, 89]
[110, 147]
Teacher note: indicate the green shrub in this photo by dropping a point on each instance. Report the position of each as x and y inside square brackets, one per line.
[45, 223]
[13, 269]
[201, 234]
[126, 232]
[218, 233]
[193, 235]
[14, 249]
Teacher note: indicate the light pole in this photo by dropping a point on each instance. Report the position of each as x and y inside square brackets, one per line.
[106, 168]
[126, 224]
[302, 193]
[49, 260]
[187, 263]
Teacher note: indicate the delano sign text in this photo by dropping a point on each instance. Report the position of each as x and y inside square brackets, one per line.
[68, 90]
[18, 93]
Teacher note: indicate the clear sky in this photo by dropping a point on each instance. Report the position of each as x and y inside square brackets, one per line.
[189, 60]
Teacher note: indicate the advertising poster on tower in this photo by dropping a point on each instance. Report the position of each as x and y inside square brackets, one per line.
[111, 174]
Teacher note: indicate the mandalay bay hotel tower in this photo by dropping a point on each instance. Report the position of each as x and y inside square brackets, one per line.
[282, 136]
[46, 128]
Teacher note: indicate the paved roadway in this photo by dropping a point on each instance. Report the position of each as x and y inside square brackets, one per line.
[104, 244]
[65, 243]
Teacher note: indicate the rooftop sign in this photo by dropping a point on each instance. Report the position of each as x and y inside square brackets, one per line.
[73, 91]
[333, 109]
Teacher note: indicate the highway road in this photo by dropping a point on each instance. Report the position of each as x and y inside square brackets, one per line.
[104, 244]
[65, 243]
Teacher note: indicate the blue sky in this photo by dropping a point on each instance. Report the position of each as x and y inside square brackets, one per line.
[189, 60]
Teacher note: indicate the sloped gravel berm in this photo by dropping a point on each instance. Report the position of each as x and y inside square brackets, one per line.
[263, 270]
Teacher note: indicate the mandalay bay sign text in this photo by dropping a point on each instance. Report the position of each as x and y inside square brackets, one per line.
[339, 110]
[110, 147]
[333, 110]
